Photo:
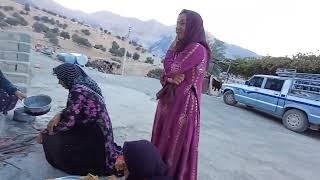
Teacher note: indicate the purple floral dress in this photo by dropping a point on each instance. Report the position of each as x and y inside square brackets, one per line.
[86, 106]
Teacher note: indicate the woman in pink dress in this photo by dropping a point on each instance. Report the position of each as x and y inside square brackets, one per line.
[177, 120]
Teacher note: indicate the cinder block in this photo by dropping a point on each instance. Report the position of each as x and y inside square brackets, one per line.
[23, 47]
[15, 36]
[14, 46]
[17, 77]
[14, 56]
[15, 66]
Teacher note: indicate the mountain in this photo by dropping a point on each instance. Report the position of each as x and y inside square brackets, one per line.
[233, 51]
[151, 34]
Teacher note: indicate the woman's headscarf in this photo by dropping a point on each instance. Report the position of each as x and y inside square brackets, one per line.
[72, 74]
[144, 161]
[194, 31]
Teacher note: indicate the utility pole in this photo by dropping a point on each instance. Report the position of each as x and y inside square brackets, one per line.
[125, 52]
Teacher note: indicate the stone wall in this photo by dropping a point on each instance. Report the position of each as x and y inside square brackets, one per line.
[15, 49]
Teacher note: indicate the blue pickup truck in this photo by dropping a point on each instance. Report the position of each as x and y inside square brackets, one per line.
[292, 97]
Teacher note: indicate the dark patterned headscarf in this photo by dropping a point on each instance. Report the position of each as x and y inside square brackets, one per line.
[71, 74]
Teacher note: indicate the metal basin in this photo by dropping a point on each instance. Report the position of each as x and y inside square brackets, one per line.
[22, 116]
[37, 105]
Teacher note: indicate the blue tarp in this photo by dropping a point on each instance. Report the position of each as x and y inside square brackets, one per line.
[73, 58]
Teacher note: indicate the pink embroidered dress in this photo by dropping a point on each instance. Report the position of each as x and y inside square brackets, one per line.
[177, 123]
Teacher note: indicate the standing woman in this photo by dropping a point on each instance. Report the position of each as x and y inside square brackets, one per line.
[177, 120]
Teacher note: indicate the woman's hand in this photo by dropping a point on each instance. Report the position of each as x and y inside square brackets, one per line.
[53, 123]
[177, 79]
[39, 138]
[120, 164]
[20, 95]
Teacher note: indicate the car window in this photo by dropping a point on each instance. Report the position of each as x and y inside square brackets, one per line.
[274, 84]
[256, 81]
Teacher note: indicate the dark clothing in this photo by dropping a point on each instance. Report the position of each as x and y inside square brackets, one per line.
[144, 161]
[6, 85]
[7, 98]
[84, 107]
[78, 151]
[7, 102]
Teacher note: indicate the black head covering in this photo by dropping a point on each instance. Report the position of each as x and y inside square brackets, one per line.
[144, 161]
[72, 74]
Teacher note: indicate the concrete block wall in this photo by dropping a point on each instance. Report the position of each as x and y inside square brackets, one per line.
[15, 49]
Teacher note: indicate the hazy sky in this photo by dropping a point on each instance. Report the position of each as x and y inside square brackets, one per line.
[274, 27]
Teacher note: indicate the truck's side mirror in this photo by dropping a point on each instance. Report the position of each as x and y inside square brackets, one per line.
[247, 83]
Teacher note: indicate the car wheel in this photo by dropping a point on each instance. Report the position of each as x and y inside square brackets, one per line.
[295, 120]
[228, 98]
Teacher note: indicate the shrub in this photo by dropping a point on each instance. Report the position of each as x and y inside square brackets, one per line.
[86, 32]
[8, 8]
[129, 55]
[105, 31]
[65, 35]
[55, 30]
[115, 45]
[154, 73]
[54, 40]
[12, 21]
[149, 60]
[24, 12]
[39, 27]
[73, 20]
[81, 41]
[3, 24]
[20, 19]
[136, 56]
[37, 18]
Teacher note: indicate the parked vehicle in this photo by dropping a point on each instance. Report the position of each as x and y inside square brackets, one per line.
[293, 97]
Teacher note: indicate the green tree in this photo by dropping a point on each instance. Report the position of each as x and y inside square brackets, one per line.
[129, 55]
[149, 60]
[154, 73]
[136, 56]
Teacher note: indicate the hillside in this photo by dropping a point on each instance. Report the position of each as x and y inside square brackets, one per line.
[152, 34]
[96, 36]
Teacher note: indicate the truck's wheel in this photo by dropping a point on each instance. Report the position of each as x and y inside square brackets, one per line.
[228, 98]
[295, 120]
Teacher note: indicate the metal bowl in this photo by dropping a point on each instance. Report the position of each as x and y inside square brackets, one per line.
[20, 115]
[37, 105]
